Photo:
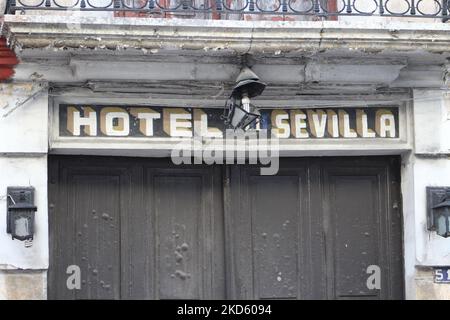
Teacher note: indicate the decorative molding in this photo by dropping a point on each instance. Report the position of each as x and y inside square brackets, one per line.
[216, 36]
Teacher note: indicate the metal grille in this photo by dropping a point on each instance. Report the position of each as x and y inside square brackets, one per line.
[218, 9]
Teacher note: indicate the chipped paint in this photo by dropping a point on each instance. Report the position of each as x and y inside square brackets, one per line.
[235, 36]
[8, 60]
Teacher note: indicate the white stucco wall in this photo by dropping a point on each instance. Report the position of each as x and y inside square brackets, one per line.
[431, 168]
[24, 172]
[23, 162]
[409, 223]
[432, 250]
[23, 128]
[429, 165]
[432, 122]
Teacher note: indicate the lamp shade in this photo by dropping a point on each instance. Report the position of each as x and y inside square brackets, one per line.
[248, 83]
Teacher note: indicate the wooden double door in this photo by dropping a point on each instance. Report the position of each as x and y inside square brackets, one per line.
[147, 229]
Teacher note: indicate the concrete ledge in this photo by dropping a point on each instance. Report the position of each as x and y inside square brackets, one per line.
[70, 48]
[23, 285]
[39, 31]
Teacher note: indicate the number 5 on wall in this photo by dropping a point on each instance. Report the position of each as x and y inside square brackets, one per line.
[442, 275]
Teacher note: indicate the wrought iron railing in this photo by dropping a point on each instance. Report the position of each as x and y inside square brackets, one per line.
[321, 9]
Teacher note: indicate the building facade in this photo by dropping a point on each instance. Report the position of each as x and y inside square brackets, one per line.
[95, 98]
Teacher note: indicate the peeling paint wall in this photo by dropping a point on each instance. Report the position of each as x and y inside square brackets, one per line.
[432, 250]
[23, 162]
[23, 118]
[429, 166]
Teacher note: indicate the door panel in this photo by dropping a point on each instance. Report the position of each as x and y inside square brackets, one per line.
[361, 219]
[275, 236]
[136, 229]
[269, 222]
[96, 213]
[186, 209]
[177, 211]
[337, 217]
[147, 229]
[87, 234]
[355, 233]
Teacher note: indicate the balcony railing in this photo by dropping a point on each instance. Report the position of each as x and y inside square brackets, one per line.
[246, 9]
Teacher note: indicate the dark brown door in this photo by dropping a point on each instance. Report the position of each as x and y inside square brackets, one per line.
[143, 228]
[136, 228]
[313, 231]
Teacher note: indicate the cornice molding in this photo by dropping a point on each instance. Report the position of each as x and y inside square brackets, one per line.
[218, 37]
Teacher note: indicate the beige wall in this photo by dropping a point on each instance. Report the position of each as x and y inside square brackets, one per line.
[426, 289]
[23, 285]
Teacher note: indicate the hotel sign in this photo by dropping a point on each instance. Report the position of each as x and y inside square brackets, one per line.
[164, 122]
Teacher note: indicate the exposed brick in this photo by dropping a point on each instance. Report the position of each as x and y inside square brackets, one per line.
[8, 60]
